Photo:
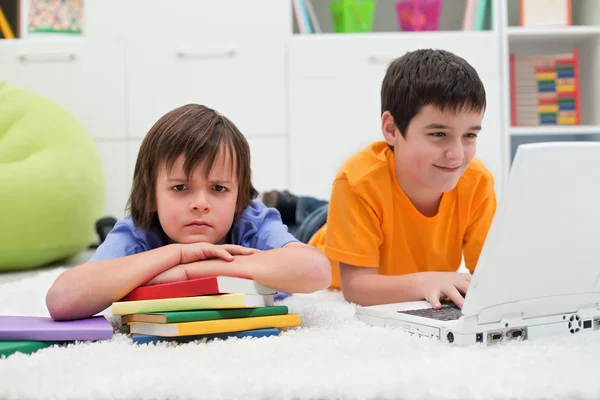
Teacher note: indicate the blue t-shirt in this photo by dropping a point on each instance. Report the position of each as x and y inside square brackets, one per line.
[258, 227]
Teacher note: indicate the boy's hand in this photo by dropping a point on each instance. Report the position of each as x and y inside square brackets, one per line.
[203, 251]
[439, 285]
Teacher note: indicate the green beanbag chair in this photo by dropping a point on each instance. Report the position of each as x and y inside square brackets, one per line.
[52, 185]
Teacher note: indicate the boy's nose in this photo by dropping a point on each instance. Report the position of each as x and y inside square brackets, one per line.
[200, 202]
[455, 152]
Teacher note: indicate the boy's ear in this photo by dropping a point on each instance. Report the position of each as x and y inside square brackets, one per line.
[389, 129]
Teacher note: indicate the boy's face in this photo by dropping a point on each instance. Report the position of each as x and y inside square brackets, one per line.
[201, 209]
[435, 150]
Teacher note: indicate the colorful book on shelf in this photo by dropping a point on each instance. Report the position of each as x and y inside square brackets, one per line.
[215, 326]
[198, 287]
[234, 300]
[203, 315]
[475, 14]
[545, 89]
[254, 333]
[29, 328]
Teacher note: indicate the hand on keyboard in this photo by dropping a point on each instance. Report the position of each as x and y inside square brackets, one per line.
[439, 285]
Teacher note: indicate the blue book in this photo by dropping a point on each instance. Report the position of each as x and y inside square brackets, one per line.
[256, 333]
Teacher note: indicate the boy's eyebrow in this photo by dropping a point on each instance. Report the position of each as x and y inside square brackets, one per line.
[442, 126]
[176, 179]
[220, 181]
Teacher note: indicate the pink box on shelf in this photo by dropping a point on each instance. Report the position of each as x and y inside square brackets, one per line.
[418, 15]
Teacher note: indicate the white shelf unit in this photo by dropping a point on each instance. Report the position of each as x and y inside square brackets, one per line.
[583, 35]
[305, 102]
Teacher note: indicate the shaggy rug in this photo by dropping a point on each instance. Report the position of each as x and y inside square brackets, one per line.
[331, 356]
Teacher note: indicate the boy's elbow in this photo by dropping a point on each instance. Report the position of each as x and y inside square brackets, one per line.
[58, 305]
[317, 272]
[55, 305]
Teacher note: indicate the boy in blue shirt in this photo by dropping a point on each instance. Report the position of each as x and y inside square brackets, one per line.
[193, 215]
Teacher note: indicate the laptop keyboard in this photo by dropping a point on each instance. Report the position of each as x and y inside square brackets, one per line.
[448, 312]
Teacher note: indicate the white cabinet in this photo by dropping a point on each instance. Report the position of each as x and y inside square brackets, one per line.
[269, 163]
[335, 103]
[118, 183]
[329, 120]
[85, 77]
[244, 80]
[197, 20]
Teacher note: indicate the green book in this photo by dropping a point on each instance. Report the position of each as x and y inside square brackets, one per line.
[22, 346]
[203, 315]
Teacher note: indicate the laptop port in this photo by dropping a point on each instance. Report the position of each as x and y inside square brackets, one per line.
[494, 336]
[450, 337]
[515, 334]
[596, 323]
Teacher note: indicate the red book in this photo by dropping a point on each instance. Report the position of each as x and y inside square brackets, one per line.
[212, 285]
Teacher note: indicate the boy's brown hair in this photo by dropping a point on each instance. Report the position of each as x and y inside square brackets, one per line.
[198, 133]
[430, 77]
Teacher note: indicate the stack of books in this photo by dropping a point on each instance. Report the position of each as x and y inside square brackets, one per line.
[203, 309]
[545, 89]
[28, 334]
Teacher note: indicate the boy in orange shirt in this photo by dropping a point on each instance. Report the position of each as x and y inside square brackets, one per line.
[404, 211]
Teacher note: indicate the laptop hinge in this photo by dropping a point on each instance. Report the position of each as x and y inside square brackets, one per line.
[544, 306]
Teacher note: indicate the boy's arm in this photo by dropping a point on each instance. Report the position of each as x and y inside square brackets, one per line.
[90, 288]
[121, 264]
[354, 236]
[296, 268]
[364, 286]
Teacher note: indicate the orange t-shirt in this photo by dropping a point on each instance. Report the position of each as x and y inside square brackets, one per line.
[372, 223]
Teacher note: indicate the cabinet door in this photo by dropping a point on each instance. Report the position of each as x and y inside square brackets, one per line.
[330, 120]
[184, 19]
[269, 163]
[114, 159]
[86, 78]
[244, 81]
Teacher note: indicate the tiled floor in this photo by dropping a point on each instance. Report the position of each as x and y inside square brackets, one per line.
[73, 261]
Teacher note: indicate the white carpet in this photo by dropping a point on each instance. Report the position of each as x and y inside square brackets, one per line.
[331, 356]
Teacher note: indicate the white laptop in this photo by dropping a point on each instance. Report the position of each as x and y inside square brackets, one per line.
[539, 271]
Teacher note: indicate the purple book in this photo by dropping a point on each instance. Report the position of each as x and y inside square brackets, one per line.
[46, 329]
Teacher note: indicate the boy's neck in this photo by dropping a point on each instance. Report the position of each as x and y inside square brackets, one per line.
[424, 199]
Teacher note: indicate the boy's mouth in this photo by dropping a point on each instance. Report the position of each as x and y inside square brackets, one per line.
[448, 169]
[198, 224]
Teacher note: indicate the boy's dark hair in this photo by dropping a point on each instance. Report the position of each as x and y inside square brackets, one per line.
[430, 77]
[199, 134]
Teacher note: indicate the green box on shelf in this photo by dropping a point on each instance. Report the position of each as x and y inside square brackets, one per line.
[353, 15]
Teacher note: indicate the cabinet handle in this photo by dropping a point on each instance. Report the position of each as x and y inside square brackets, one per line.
[225, 53]
[47, 57]
[379, 60]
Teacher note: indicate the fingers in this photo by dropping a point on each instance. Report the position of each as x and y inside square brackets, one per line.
[462, 286]
[434, 300]
[237, 250]
[218, 252]
[454, 295]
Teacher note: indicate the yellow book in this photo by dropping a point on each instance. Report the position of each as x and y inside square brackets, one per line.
[5, 26]
[548, 108]
[566, 121]
[235, 300]
[545, 76]
[565, 88]
[215, 326]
